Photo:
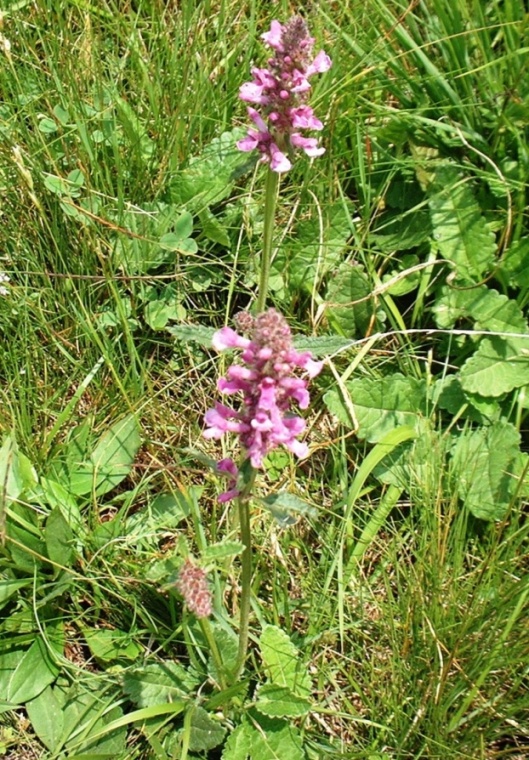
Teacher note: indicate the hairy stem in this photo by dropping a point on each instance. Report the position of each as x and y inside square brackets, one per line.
[246, 575]
[271, 188]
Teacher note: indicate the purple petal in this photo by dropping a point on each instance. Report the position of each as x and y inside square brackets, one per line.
[278, 161]
[320, 64]
[308, 144]
[274, 36]
[257, 119]
[252, 93]
[303, 117]
[228, 338]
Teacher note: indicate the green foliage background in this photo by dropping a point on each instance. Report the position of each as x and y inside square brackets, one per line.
[391, 585]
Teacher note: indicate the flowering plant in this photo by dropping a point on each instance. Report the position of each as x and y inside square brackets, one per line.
[281, 92]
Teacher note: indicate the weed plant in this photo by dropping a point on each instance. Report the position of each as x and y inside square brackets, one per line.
[389, 588]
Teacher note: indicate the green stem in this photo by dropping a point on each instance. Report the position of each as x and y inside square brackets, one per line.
[246, 574]
[217, 659]
[271, 188]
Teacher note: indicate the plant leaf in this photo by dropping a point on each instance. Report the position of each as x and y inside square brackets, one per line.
[497, 367]
[484, 461]
[459, 229]
[279, 702]
[349, 306]
[205, 733]
[381, 404]
[157, 683]
[46, 715]
[281, 662]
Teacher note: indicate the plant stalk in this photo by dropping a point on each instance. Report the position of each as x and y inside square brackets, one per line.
[246, 574]
[271, 189]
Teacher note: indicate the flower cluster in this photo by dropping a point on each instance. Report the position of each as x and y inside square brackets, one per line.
[268, 383]
[192, 584]
[281, 92]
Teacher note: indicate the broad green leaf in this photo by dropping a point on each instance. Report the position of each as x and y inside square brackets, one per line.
[157, 683]
[279, 702]
[17, 474]
[210, 176]
[193, 333]
[47, 126]
[108, 645]
[448, 394]
[228, 645]
[400, 232]
[213, 229]
[86, 714]
[9, 588]
[284, 506]
[497, 367]
[158, 313]
[46, 715]
[115, 452]
[59, 538]
[58, 497]
[380, 405]
[166, 511]
[484, 463]
[221, 550]
[349, 306]
[459, 229]
[322, 345]
[281, 661]
[205, 733]
[488, 310]
[515, 264]
[277, 741]
[25, 673]
[316, 249]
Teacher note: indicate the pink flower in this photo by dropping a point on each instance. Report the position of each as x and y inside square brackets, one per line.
[281, 91]
[268, 385]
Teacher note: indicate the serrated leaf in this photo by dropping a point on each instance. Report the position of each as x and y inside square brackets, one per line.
[484, 461]
[284, 505]
[279, 702]
[193, 333]
[108, 645]
[459, 229]
[210, 176]
[380, 405]
[322, 345]
[205, 733]
[515, 264]
[349, 306]
[157, 683]
[400, 232]
[448, 394]
[488, 309]
[281, 661]
[221, 550]
[314, 251]
[277, 741]
[497, 367]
